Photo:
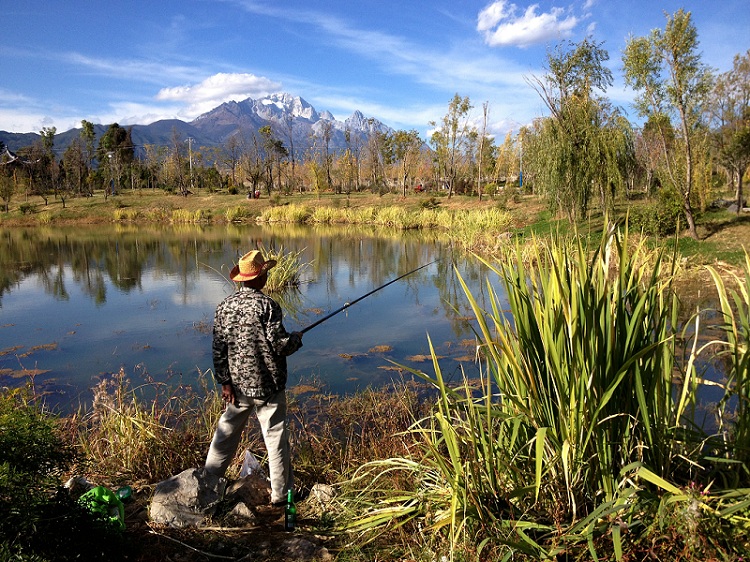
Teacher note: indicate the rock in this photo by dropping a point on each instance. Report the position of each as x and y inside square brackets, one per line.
[240, 515]
[193, 497]
[323, 493]
[187, 499]
[78, 485]
[253, 489]
[303, 548]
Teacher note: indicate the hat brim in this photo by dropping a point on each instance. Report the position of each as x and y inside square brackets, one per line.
[236, 275]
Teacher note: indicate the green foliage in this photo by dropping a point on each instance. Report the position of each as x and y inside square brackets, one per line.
[660, 218]
[39, 521]
[288, 270]
[238, 214]
[575, 428]
[672, 82]
[734, 405]
[584, 148]
[26, 208]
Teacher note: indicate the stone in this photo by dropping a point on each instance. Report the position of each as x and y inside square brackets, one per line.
[187, 499]
[303, 548]
[240, 515]
[253, 489]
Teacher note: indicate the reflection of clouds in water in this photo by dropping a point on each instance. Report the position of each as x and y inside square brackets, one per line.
[205, 292]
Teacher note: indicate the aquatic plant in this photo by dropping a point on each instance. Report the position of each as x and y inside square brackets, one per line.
[575, 430]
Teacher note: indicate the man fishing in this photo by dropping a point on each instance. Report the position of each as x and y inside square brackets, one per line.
[250, 347]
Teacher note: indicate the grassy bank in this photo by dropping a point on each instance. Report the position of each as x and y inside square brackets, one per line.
[483, 226]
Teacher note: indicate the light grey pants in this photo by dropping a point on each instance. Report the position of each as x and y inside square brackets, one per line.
[271, 413]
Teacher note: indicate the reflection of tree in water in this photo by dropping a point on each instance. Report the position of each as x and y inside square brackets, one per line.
[99, 256]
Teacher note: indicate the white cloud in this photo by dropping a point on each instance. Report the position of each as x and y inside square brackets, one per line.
[501, 26]
[217, 89]
[222, 86]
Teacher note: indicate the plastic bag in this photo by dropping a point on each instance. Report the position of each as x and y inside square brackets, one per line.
[251, 466]
[105, 502]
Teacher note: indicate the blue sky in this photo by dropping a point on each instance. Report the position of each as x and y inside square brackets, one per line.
[398, 61]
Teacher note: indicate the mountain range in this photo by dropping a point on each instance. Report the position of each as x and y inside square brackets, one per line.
[292, 120]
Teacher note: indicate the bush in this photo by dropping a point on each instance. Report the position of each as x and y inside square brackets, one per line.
[38, 519]
[661, 218]
[26, 208]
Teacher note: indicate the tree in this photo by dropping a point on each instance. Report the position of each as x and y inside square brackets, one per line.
[274, 151]
[666, 69]
[232, 155]
[402, 149]
[177, 164]
[117, 151]
[374, 158]
[572, 156]
[506, 162]
[88, 135]
[450, 138]
[73, 170]
[289, 120]
[731, 116]
[7, 178]
[326, 133]
[483, 142]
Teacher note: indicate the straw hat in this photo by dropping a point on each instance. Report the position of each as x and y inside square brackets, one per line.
[250, 266]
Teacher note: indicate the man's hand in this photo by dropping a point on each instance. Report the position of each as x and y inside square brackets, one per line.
[227, 393]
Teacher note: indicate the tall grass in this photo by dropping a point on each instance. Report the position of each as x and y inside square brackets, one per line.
[288, 270]
[573, 429]
[286, 213]
[188, 216]
[148, 431]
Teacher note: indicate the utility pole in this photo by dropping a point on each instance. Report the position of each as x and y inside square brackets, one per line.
[520, 159]
[190, 140]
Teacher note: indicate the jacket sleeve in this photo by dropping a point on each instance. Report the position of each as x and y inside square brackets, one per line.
[282, 341]
[219, 349]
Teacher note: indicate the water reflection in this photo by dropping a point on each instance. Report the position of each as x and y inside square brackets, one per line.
[81, 302]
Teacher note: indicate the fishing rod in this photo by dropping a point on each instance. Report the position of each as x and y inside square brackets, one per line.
[348, 304]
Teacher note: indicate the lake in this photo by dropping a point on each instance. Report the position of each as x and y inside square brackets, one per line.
[80, 303]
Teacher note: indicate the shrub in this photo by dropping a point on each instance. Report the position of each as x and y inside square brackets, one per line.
[38, 519]
[660, 219]
[430, 203]
[237, 214]
[26, 208]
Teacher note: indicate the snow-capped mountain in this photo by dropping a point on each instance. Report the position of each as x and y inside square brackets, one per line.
[292, 120]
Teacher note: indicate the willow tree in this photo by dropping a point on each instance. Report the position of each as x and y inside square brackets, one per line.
[574, 142]
[665, 69]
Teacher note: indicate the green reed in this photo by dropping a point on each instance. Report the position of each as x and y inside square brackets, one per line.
[288, 270]
[575, 425]
[734, 407]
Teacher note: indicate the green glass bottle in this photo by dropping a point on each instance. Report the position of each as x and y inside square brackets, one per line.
[290, 512]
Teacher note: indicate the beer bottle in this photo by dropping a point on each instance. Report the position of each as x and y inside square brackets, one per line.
[290, 512]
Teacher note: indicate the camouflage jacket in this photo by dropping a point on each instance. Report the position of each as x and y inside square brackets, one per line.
[250, 343]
